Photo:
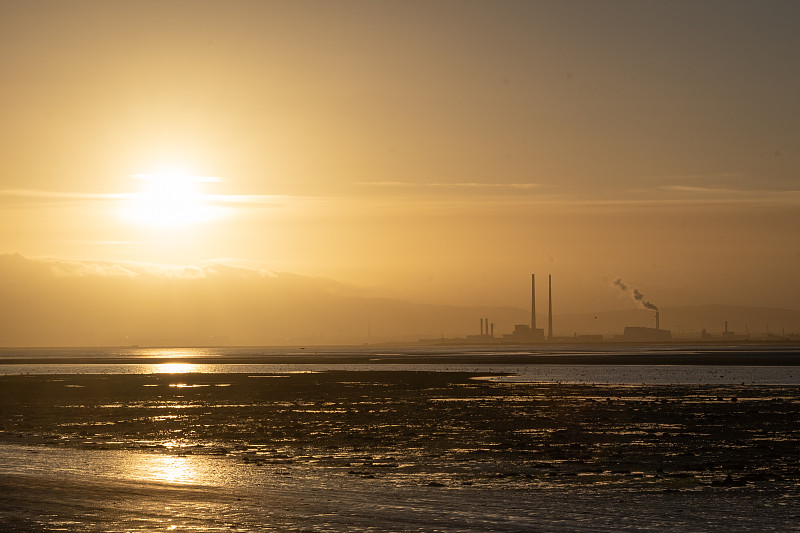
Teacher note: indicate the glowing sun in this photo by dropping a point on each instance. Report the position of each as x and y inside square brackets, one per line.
[171, 198]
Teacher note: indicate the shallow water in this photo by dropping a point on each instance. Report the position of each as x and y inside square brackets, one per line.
[599, 374]
[97, 490]
[397, 447]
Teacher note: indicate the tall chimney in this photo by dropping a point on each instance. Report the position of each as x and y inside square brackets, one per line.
[549, 307]
[533, 302]
[486, 321]
[492, 329]
[657, 319]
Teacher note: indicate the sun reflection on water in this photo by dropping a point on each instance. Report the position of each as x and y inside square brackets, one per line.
[175, 368]
[174, 353]
[178, 469]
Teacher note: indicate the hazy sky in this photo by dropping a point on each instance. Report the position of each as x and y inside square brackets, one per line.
[432, 151]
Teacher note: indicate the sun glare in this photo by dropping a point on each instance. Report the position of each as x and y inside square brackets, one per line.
[175, 368]
[177, 469]
[171, 198]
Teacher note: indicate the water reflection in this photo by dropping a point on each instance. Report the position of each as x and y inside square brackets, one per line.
[179, 469]
[162, 353]
[175, 368]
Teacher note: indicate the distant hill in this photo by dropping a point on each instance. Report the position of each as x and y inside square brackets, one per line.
[57, 303]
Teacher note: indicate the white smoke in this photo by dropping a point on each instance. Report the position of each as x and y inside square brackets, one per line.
[637, 296]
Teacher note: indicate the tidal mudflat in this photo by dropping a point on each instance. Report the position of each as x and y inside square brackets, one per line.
[393, 450]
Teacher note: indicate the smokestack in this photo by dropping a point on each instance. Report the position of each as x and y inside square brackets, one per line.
[549, 307]
[486, 321]
[533, 302]
[492, 329]
[657, 319]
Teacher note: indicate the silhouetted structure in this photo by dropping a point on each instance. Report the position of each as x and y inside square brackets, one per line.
[727, 335]
[486, 335]
[640, 334]
[533, 302]
[522, 332]
[549, 307]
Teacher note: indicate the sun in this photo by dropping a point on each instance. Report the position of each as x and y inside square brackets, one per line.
[171, 197]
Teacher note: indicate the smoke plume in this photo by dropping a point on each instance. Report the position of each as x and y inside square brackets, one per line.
[636, 295]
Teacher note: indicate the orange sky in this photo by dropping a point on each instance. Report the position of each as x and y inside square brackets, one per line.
[431, 151]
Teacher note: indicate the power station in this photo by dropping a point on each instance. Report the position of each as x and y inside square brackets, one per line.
[529, 333]
[524, 333]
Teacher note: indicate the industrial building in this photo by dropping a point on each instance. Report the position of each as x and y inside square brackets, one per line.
[486, 335]
[530, 334]
[524, 333]
[726, 335]
[642, 334]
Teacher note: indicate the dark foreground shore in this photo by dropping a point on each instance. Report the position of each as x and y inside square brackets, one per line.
[68, 503]
[396, 451]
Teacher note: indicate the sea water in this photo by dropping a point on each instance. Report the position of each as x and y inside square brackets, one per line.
[151, 361]
[598, 374]
[88, 483]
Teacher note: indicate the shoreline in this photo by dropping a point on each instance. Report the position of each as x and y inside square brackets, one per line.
[788, 357]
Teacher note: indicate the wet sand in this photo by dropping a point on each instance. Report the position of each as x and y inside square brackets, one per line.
[396, 450]
[70, 504]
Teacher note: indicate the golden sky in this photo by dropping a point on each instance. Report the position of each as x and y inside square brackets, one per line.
[431, 151]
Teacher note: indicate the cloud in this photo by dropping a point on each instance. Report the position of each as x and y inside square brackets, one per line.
[705, 190]
[105, 242]
[707, 176]
[688, 195]
[454, 186]
[252, 199]
[736, 186]
[61, 195]
[195, 179]
[494, 196]
[107, 269]
[739, 195]
[32, 197]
